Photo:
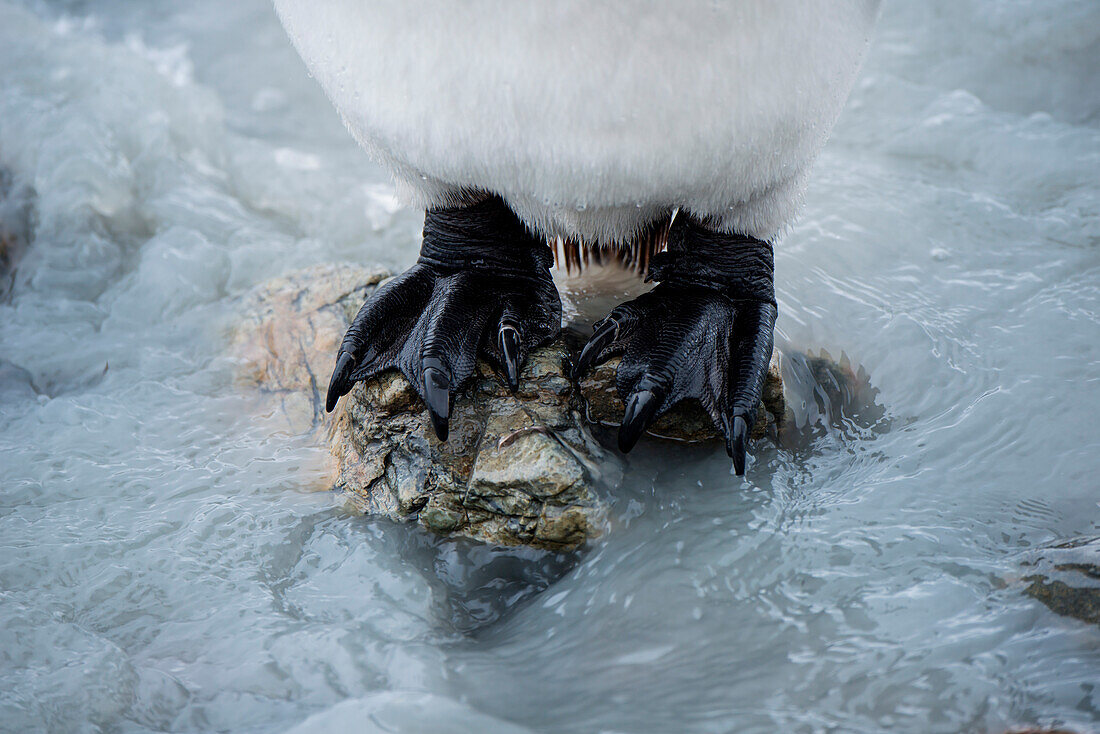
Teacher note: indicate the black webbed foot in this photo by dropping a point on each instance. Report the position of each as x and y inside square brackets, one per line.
[482, 286]
[704, 332]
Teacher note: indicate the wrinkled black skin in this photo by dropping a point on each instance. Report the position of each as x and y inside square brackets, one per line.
[704, 332]
[482, 286]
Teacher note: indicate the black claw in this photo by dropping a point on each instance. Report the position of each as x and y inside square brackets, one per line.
[509, 346]
[604, 335]
[340, 383]
[437, 395]
[737, 439]
[639, 414]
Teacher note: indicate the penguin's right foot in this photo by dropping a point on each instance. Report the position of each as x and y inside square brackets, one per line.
[481, 287]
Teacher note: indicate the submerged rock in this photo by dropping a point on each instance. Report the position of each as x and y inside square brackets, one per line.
[1069, 582]
[17, 216]
[518, 469]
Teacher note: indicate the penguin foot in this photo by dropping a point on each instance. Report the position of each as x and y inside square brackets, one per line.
[481, 287]
[704, 332]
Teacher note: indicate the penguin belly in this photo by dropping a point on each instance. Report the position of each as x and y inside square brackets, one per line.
[592, 119]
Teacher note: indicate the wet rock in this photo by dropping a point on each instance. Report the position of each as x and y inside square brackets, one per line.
[841, 393]
[520, 469]
[516, 469]
[17, 216]
[1069, 579]
[290, 328]
[1069, 601]
[686, 421]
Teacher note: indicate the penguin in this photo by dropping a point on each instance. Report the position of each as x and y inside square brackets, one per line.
[603, 124]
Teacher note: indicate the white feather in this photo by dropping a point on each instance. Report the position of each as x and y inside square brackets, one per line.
[591, 117]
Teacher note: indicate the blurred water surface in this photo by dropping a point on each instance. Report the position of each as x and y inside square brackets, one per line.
[165, 566]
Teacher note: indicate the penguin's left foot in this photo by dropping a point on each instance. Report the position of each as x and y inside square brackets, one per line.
[704, 332]
[481, 287]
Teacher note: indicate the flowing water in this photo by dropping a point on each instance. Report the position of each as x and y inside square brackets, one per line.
[166, 566]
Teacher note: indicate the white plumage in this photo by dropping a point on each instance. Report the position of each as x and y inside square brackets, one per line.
[591, 118]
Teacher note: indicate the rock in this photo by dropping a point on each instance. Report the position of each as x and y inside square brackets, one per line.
[1069, 601]
[686, 421]
[516, 469]
[520, 469]
[1069, 582]
[17, 221]
[289, 331]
